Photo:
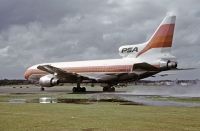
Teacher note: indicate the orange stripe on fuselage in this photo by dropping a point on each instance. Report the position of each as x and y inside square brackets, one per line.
[162, 38]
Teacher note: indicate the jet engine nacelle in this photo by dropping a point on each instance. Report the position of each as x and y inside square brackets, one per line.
[168, 64]
[48, 81]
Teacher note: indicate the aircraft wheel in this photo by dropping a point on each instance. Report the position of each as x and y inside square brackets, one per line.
[80, 89]
[112, 89]
[42, 88]
[83, 89]
[74, 89]
[108, 89]
[105, 89]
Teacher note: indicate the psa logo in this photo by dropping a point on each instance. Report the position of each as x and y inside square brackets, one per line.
[130, 49]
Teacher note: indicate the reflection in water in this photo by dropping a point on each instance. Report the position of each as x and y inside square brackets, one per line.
[140, 95]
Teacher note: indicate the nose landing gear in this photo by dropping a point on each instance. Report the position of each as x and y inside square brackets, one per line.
[42, 89]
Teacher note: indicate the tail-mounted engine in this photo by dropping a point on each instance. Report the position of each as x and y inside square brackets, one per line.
[48, 81]
[168, 64]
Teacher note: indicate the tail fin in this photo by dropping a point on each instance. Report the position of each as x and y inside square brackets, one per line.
[163, 36]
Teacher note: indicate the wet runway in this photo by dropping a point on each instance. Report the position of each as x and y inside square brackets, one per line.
[32, 89]
[188, 96]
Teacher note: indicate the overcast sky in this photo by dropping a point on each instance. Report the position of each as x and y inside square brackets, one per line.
[37, 31]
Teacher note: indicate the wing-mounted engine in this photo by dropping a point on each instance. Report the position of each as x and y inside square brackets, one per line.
[168, 64]
[48, 81]
[130, 50]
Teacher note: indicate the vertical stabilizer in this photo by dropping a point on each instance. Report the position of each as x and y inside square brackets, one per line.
[162, 38]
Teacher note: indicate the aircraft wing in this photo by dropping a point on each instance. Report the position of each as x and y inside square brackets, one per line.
[138, 69]
[184, 69]
[144, 67]
[163, 74]
[172, 71]
[61, 73]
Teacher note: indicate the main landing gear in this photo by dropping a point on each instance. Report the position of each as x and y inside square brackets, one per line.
[78, 89]
[108, 89]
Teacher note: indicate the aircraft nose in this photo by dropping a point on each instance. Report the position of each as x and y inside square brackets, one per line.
[26, 74]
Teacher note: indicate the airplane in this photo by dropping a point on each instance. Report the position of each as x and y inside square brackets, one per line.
[138, 61]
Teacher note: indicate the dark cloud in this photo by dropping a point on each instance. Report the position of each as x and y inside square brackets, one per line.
[37, 31]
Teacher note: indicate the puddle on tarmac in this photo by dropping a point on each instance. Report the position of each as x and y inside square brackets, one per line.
[123, 100]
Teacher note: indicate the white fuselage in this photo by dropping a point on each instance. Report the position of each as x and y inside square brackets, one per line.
[95, 67]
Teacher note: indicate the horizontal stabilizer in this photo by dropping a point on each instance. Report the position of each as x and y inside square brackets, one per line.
[184, 69]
